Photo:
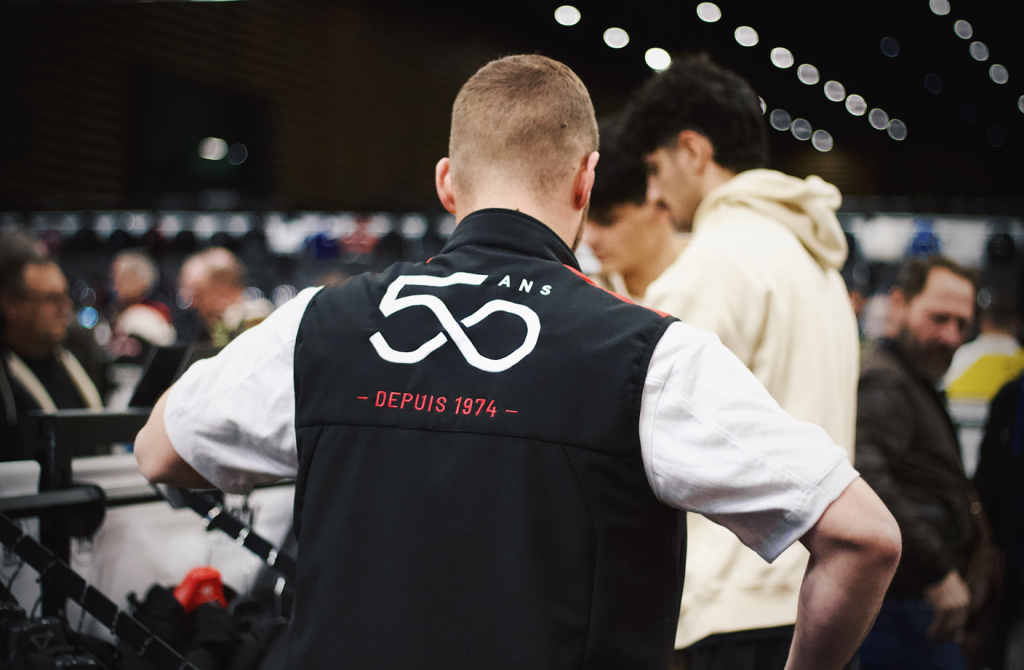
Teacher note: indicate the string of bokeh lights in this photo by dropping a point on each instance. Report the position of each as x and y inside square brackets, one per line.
[809, 75]
[979, 51]
[659, 60]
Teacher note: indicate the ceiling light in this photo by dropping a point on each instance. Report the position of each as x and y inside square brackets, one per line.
[746, 36]
[998, 74]
[940, 7]
[897, 130]
[782, 57]
[963, 29]
[821, 140]
[979, 51]
[878, 119]
[779, 119]
[808, 74]
[567, 15]
[834, 91]
[657, 59]
[213, 149]
[801, 129]
[856, 105]
[237, 154]
[616, 38]
[709, 12]
[890, 47]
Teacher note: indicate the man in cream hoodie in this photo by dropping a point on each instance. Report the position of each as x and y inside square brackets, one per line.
[762, 272]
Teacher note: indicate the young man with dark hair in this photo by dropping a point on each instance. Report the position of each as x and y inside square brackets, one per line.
[907, 450]
[632, 237]
[490, 450]
[761, 271]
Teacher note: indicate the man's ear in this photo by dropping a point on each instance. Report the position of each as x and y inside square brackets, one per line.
[695, 151]
[897, 298]
[583, 184]
[443, 183]
[897, 312]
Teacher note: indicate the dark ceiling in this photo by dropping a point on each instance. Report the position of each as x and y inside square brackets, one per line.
[942, 154]
[56, 55]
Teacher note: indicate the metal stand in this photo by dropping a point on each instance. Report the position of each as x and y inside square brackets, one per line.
[57, 576]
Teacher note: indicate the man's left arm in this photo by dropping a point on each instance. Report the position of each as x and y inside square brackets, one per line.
[158, 461]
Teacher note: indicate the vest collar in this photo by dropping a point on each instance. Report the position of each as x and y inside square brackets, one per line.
[513, 231]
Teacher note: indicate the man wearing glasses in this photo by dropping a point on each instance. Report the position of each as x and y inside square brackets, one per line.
[38, 372]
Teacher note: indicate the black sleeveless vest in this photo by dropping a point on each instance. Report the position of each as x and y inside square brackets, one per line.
[471, 492]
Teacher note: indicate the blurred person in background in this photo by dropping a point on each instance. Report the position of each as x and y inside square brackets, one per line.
[633, 239]
[908, 452]
[213, 283]
[999, 481]
[983, 366]
[139, 321]
[761, 271]
[362, 240]
[37, 372]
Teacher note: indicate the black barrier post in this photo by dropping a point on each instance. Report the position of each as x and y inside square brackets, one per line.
[61, 436]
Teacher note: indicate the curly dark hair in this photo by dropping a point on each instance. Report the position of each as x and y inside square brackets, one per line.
[695, 94]
[620, 177]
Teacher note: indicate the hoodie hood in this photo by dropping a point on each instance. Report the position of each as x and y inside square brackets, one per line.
[805, 206]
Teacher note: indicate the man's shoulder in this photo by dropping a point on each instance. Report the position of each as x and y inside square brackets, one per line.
[881, 367]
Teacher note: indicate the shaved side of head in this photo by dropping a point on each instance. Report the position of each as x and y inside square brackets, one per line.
[523, 119]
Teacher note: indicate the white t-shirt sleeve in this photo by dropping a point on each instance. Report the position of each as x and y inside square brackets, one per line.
[715, 442]
[232, 417]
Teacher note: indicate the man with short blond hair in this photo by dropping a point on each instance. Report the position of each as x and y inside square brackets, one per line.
[490, 450]
[506, 127]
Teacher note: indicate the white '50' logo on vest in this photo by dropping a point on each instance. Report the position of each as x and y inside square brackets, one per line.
[391, 303]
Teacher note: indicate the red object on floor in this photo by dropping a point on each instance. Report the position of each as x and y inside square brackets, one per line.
[201, 585]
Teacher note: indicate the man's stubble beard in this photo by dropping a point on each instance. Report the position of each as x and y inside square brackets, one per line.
[931, 361]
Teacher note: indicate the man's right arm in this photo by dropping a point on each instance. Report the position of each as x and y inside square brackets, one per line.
[855, 548]
[716, 443]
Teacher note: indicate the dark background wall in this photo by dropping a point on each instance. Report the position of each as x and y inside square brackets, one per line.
[346, 105]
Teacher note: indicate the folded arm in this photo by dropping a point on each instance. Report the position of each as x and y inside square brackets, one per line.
[854, 547]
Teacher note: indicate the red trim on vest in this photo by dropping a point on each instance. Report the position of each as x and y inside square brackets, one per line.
[617, 295]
